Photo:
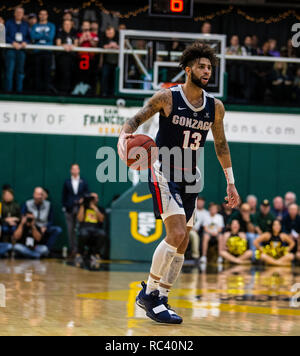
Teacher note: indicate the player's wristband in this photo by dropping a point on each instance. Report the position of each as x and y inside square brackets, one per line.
[229, 175]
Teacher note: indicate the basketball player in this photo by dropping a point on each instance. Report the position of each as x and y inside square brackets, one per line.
[187, 113]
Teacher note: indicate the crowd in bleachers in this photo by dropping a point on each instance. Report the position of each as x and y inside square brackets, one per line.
[84, 73]
[255, 232]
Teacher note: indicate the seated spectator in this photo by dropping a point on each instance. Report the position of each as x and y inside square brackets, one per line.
[43, 33]
[28, 237]
[43, 213]
[11, 214]
[108, 62]
[271, 246]
[290, 198]
[213, 227]
[17, 34]
[264, 219]
[281, 82]
[226, 212]
[87, 63]
[91, 233]
[65, 61]
[5, 248]
[245, 218]
[291, 222]
[247, 223]
[196, 232]
[279, 211]
[235, 245]
[273, 51]
[252, 201]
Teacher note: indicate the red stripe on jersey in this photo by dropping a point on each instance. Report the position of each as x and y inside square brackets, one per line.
[157, 190]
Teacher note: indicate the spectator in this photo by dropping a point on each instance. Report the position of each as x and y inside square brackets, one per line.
[278, 210]
[226, 212]
[262, 72]
[31, 20]
[297, 85]
[87, 64]
[28, 237]
[245, 218]
[281, 85]
[255, 43]
[43, 33]
[5, 247]
[122, 26]
[271, 247]
[11, 214]
[72, 15]
[264, 219]
[290, 198]
[273, 51]
[252, 201]
[235, 48]
[250, 51]
[29, 82]
[91, 233]
[206, 28]
[235, 246]
[291, 222]
[2, 22]
[65, 61]
[291, 51]
[95, 28]
[213, 226]
[109, 20]
[236, 70]
[196, 232]
[43, 214]
[73, 190]
[17, 34]
[109, 62]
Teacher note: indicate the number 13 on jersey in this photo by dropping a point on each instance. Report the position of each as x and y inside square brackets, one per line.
[196, 136]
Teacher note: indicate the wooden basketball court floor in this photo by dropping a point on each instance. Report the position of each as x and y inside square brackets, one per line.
[51, 297]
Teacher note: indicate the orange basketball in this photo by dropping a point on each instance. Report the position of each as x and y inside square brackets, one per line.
[142, 152]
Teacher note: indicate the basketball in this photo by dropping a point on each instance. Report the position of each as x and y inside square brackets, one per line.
[141, 152]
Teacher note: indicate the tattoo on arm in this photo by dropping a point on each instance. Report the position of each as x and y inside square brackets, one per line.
[221, 145]
[159, 102]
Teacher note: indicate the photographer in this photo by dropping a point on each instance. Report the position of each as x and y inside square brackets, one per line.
[28, 236]
[91, 233]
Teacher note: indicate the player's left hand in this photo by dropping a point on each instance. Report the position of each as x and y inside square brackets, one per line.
[233, 198]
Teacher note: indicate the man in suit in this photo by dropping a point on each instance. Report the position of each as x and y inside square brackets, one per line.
[73, 191]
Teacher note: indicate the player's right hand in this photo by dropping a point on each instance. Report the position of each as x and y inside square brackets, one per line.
[122, 145]
[233, 198]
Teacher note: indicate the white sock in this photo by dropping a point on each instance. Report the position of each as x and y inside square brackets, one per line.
[171, 276]
[152, 285]
[162, 259]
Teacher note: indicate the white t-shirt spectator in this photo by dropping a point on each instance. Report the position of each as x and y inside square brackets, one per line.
[201, 215]
[214, 223]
